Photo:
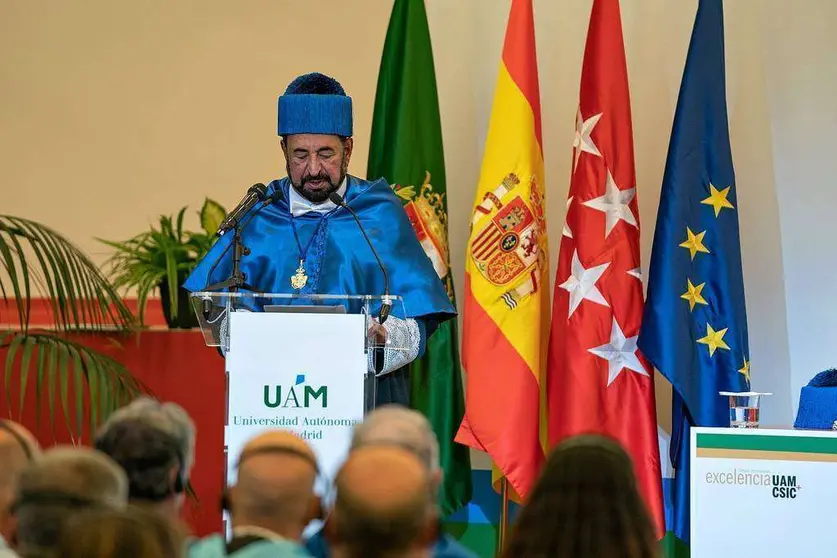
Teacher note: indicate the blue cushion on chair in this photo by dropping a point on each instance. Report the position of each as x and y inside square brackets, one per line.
[818, 402]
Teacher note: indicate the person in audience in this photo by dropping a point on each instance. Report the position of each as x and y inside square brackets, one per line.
[384, 507]
[17, 448]
[585, 503]
[130, 533]
[398, 426]
[57, 486]
[155, 444]
[271, 503]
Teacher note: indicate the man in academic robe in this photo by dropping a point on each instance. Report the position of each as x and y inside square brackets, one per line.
[303, 243]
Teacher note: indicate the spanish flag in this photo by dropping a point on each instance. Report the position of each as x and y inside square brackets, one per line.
[506, 307]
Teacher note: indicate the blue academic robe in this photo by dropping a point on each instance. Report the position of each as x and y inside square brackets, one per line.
[338, 259]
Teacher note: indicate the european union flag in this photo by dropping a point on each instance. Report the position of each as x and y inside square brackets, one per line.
[694, 329]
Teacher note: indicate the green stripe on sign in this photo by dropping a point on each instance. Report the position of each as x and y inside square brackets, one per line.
[801, 444]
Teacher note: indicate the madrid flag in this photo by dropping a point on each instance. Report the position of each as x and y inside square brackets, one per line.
[506, 305]
[598, 381]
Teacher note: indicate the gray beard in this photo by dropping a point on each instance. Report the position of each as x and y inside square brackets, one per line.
[317, 197]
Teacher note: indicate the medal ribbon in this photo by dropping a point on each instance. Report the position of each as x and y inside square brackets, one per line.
[304, 252]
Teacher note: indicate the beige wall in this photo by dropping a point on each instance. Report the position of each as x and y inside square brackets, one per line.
[113, 112]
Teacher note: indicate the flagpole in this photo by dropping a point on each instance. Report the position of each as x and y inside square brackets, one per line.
[504, 516]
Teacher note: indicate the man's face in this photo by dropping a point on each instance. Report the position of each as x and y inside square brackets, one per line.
[316, 163]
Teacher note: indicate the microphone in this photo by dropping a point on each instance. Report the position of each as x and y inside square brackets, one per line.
[273, 198]
[239, 250]
[386, 300]
[255, 194]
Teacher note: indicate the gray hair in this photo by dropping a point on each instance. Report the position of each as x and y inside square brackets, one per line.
[149, 439]
[400, 426]
[53, 488]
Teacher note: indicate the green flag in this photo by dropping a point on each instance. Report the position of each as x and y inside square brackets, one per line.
[406, 149]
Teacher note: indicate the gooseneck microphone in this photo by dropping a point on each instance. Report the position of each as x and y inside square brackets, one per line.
[255, 194]
[386, 300]
[237, 280]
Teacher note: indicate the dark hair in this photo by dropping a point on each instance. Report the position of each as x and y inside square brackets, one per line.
[131, 533]
[585, 503]
[315, 83]
[343, 139]
[148, 455]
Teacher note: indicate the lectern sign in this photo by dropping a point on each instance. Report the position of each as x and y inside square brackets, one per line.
[763, 493]
[302, 372]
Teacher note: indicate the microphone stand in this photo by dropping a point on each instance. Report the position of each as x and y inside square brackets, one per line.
[237, 280]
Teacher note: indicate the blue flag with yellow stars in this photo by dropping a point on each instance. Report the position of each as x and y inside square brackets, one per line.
[694, 328]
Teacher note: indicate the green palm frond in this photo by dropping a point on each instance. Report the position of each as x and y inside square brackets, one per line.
[36, 260]
[55, 363]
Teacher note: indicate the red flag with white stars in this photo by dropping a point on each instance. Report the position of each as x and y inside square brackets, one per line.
[597, 380]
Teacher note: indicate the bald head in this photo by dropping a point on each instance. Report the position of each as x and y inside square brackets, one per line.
[13, 433]
[384, 503]
[17, 446]
[275, 486]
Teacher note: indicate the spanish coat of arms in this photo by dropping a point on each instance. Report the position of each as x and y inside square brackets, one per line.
[506, 238]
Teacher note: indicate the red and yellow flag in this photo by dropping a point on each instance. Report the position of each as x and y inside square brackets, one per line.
[506, 312]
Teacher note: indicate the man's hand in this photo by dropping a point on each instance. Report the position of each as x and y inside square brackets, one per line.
[377, 333]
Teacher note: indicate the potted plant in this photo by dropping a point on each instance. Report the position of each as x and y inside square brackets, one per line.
[38, 262]
[161, 259]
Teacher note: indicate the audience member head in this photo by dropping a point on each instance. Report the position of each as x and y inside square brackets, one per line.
[585, 503]
[395, 425]
[155, 444]
[17, 448]
[55, 487]
[274, 488]
[384, 506]
[129, 533]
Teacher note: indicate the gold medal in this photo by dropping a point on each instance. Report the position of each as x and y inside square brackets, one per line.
[299, 278]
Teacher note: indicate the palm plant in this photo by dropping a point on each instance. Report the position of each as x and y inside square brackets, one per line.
[161, 258]
[37, 260]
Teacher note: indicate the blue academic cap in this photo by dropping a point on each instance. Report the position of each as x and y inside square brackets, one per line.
[818, 402]
[315, 104]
